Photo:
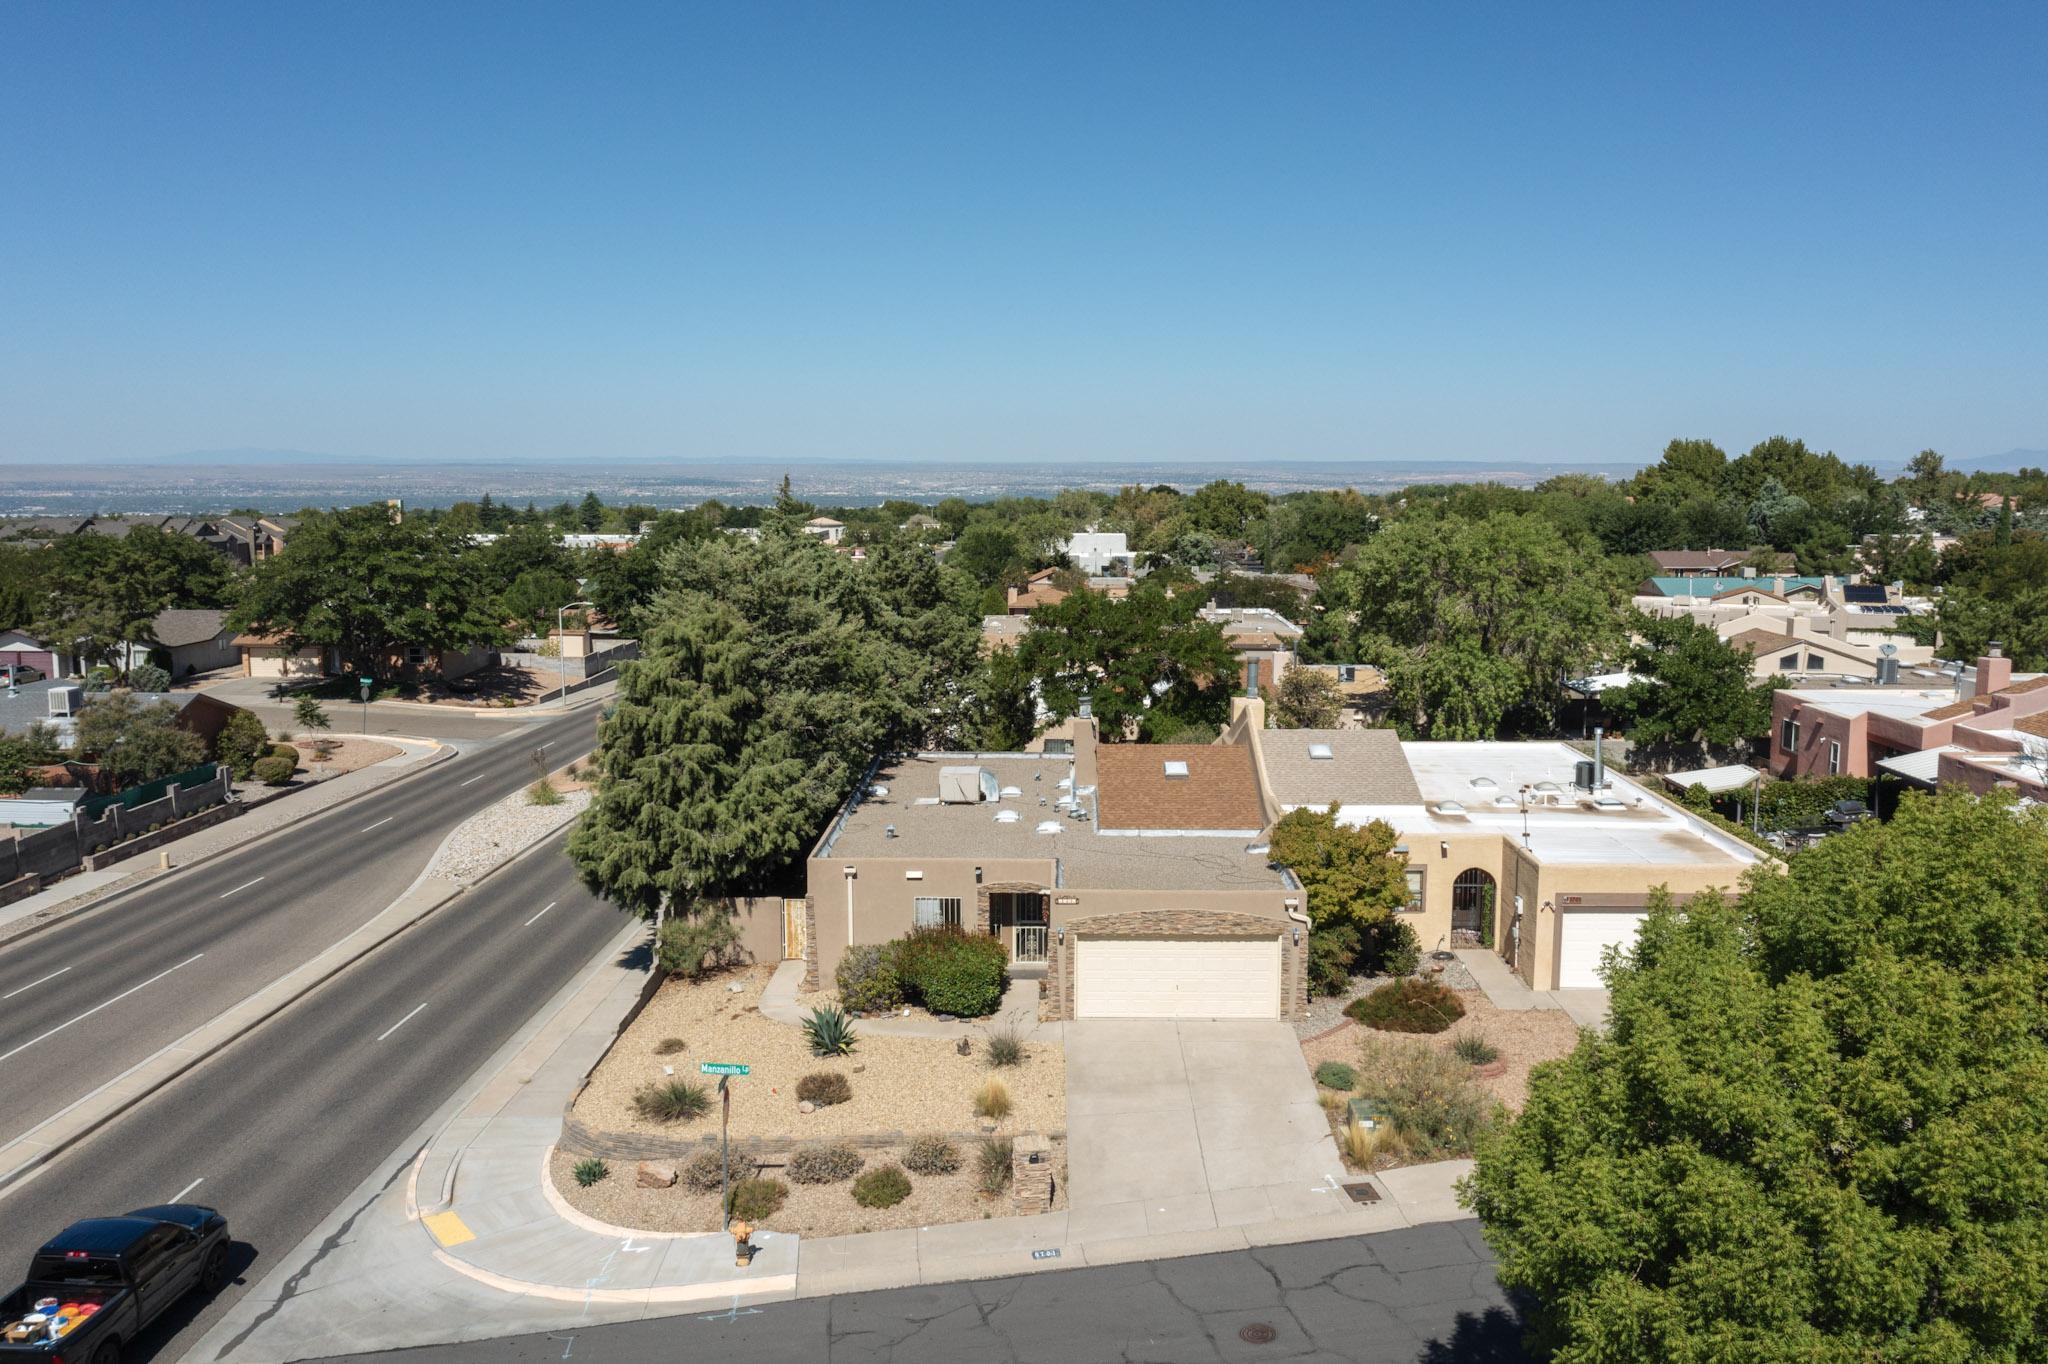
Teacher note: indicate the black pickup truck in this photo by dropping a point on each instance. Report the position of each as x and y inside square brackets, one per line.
[95, 1286]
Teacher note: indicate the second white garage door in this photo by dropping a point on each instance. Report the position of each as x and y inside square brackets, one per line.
[1584, 937]
[1177, 978]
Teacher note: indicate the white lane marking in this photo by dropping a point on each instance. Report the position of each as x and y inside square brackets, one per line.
[179, 1196]
[238, 889]
[97, 1007]
[390, 1030]
[528, 924]
[52, 976]
[477, 778]
[379, 824]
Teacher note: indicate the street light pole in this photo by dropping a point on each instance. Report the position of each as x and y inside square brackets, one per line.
[561, 651]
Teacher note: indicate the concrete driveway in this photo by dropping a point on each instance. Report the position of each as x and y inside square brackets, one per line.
[1190, 1126]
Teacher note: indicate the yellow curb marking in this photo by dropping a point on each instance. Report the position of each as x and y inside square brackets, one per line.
[448, 1228]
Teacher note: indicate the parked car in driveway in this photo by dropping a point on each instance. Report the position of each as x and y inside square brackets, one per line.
[97, 1284]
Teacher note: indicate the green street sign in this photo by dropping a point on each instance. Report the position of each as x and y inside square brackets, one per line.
[722, 1068]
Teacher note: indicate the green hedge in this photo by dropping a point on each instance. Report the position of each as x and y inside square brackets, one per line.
[952, 972]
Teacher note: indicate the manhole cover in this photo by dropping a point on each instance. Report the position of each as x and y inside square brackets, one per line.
[1257, 1333]
[1362, 1193]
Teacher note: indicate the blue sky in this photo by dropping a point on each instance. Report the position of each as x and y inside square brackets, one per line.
[1043, 232]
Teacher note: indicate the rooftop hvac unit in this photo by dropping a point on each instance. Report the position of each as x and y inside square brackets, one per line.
[66, 700]
[1582, 774]
[967, 785]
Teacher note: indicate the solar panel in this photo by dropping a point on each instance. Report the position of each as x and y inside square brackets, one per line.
[1864, 594]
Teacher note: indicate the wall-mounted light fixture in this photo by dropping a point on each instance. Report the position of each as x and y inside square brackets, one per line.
[1444, 847]
[977, 876]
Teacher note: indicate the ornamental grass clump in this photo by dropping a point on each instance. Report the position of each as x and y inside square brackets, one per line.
[994, 1164]
[753, 1200]
[1005, 1048]
[992, 1101]
[824, 1088]
[1473, 1049]
[672, 1101]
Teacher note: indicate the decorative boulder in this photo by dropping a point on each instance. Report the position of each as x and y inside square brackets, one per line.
[653, 1175]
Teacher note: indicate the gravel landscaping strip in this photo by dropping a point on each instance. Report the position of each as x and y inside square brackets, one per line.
[1525, 1038]
[1327, 1011]
[811, 1210]
[900, 1084]
[487, 838]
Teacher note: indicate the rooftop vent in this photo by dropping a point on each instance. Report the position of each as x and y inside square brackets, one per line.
[1257, 849]
[1007, 816]
[1009, 791]
[1176, 768]
[1047, 826]
[1485, 784]
[1321, 752]
[888, 831]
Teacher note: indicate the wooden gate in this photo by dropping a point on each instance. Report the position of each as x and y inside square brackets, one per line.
[793, 920]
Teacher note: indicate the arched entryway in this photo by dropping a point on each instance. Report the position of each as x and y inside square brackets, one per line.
[1472, 899]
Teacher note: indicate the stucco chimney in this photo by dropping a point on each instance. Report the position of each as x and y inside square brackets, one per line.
[1994, 670]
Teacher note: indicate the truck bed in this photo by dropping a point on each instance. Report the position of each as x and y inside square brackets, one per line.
[18, 1337]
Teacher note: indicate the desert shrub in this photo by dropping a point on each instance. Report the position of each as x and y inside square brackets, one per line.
[824, 1164]
[149, 677]
[693, 943]
[241, 742]
[1407, 1006]
[1474, 1049]
[824, 1088]
[589, 1172]
[273, 771]
[992, 1165]
[952, 972]
[882, 1187]
[992, 1100]
[543, 792]
[1389, 948]
[1431, 1098]
[1331, 953]
[867, 979]
[932, 1156]
[1336, 1075]
[284, 749]
[1005, 1048]
[830, 1033]
[755, 1199]
[672, 1101]
[669, 1046]
[702, 1171]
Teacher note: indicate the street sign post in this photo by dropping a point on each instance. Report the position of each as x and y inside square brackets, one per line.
[365, 683]
[724, 1070]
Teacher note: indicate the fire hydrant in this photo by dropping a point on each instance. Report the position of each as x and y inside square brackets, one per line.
[742, 1249]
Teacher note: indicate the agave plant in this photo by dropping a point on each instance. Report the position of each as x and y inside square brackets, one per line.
[830, 1032]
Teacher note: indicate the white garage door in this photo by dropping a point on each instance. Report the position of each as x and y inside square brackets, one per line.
[1182, 978]
[1585, 937]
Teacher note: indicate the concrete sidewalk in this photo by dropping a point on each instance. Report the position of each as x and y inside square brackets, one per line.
[1507, 991]
[468, 1240]
[1018, 1011]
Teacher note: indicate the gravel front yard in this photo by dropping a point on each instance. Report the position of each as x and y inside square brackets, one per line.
[492, 835]
[1525, 1039]
[348, 755]
[910, 1085]
[1327, 1011]
[811, 1210]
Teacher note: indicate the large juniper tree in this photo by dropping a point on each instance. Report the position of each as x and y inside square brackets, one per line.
[771, 673]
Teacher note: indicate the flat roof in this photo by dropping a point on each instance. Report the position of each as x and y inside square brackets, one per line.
[1087, 859]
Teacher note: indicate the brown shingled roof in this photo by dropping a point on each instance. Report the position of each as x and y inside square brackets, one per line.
[1220, 791]
[1950, 711]
[2021, 688]
[2033, 724]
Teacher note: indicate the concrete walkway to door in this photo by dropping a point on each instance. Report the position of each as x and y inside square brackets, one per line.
[1506, 990]
[1188, 1126]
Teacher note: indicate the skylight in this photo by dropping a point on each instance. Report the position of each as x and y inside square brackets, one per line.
[1321, 752]
[1176, 768]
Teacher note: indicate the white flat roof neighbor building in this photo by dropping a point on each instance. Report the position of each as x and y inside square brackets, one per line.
[1100, 553]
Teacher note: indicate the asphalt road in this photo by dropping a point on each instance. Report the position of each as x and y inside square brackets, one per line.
[281, 1126]
[1422, 1295]
[82, 1001]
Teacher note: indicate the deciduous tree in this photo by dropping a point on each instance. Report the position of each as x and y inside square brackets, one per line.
[1689, 688]
[1352, 876]
[1148, 659]
[133, 742]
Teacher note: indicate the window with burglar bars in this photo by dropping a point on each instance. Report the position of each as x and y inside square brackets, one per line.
[934, 911]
